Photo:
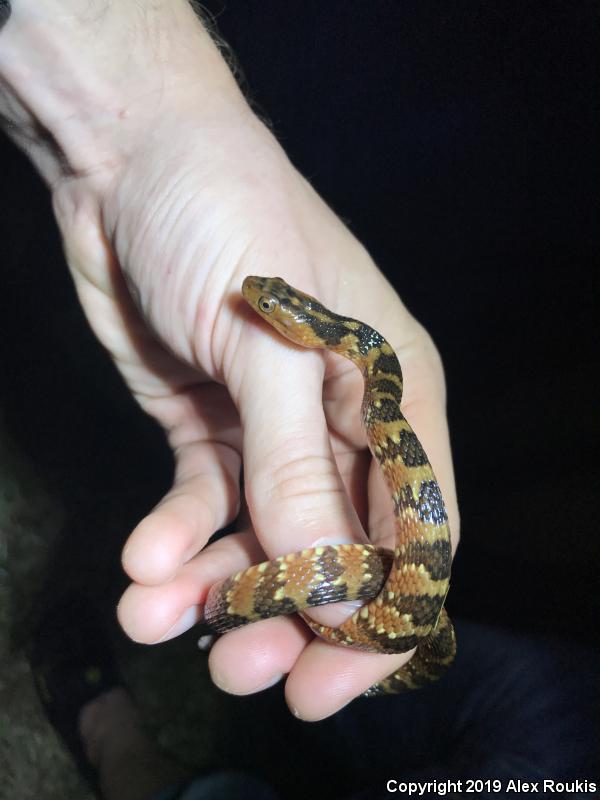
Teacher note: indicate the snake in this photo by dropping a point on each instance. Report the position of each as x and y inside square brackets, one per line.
[404, 590]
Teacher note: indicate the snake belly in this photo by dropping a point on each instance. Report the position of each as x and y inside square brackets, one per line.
[404, 590]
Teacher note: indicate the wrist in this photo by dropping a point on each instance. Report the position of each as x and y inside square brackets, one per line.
[82, 90]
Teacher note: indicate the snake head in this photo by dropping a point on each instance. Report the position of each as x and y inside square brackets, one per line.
[282, 306]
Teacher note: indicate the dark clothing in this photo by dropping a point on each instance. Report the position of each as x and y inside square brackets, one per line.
[512, 707]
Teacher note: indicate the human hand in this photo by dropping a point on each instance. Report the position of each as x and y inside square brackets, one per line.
[168, 192]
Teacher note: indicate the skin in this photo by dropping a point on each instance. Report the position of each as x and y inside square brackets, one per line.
[168, 191]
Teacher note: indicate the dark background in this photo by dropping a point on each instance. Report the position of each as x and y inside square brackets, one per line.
[458, 141]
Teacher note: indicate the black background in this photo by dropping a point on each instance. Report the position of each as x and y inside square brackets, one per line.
[458, 141]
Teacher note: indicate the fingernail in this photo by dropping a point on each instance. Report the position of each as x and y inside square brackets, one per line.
[323, 541]
[271, 682]
[217, 679]
[205, 642]
[189, 618]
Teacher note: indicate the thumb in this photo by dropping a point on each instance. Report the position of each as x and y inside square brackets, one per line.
[294, 489]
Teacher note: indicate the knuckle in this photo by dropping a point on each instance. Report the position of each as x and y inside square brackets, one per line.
[304, 475]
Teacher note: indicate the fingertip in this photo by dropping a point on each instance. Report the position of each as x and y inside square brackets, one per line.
[326, 678]
[141, 615]
[270, 649]
[311, 696]
[150, 614]
[156, 549]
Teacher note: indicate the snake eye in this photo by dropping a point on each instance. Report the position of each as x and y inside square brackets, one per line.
[267, 304]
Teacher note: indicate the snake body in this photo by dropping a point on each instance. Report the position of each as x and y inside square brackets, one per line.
[405, 589]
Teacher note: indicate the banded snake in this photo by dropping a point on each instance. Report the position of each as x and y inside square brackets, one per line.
[405, 589]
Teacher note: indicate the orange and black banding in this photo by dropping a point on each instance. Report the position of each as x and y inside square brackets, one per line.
[405, 589]
[288, 584]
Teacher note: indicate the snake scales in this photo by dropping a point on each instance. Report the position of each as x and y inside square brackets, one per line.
[405, 589]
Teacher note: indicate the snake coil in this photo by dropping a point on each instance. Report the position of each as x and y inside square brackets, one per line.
[405, 589]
